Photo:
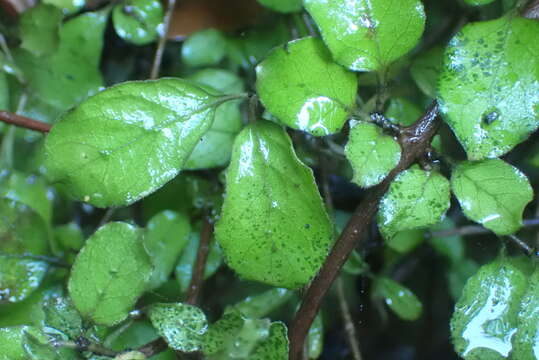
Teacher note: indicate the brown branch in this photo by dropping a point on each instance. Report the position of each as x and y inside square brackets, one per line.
[162, 40]
[200, 264]
[153, 348]
[413, 140]
[474, 229]
[532, 11]
[24, 122]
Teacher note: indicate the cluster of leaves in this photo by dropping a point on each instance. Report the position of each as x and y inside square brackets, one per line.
[338, 81]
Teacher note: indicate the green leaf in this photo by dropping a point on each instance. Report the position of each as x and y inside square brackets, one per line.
[403, 112]
[275, 346]
[69, 237]
[398, 298]
[39, 27]
[223, 332]
[260, 305]
[478, 2]
[40, 347]
[215, 146]
[110, 273]
[4, 92]
[284, 6]
[139, 333]
[405, 241]
[181, 325]
[129, 140]
[296, 84]
[315, 337]
[371, 153]
[355, 265]
[415, 199]
[11, 342]
[19, 277]
[204, 48]
[61, 315]
[426, 69]
[138, 21]
[452, 247]
[492, 193]
[368, 35]
[68, 6]
[166, 236]
[458, 274]
[486, 315]
[273, 227]
[489, 96]
[526, 340]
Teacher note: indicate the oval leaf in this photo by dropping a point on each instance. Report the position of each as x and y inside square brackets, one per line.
[489, 94]
[371, 153]
[274, 227]
[366, 35]
[138, 21]
[297, 85]
[110, 273]
[415, 199]
[398, 298]
[39, 27]
[128, 140]
[492, 193]
[204, 48]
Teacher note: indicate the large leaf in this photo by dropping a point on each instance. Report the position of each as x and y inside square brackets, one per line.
[110, 273]
[39, 28]
[128, 140]
[284, 6]
[366, 35]
[492, 193]
[138, 21]
[273, 227]
[297, 84]
[371, 153]
[489, 85]
[415, 199]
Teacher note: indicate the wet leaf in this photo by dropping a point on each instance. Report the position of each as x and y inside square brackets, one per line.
[366, 35]
[138, 21]
[398, 298]
[526, 340]
[284, 6]
[296, 84]
[223, 332]
[485, 317]
[371, 153]
[260, 305]
[403, 112]
[40, 348]
[129, 140]
[492, 193]
[181, 325]
[204, 48]
[11, 342]
[39, 27]
[110, 273]
[275, 346]
[426, 69]
[490, 97]
[273, 227]
[61, 315]
[140, 333]
[415, 199]
[166, 236]
[20, 277]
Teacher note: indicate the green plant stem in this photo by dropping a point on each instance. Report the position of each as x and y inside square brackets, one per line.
[414, 140]
[158, 58]
[24, 122]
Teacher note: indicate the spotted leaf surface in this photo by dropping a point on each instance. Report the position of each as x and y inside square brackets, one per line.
[128, 140]
[110, 273]
[275, 346]
[302, 86]
[366, 35]
[492, 193]
[273, 227]
[489, 85]
[526, 340]
[138, 21]
[415, 199]
[371, 153]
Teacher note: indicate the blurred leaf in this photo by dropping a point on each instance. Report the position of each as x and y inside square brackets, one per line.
[459, 272]
[4, 92]
[452, 247]
[138, 21]
[140, 333]
[11, 342]
[403, 112]
[61, 315]
[398, 298]
[39, 27]
[260, 305]
[204, 48]
[67, 6]
[69, 237]
[426, 69]
[315, 337]
[284, 6]
[20, 277]
[406, 241]
[355, 265]
[223, 332]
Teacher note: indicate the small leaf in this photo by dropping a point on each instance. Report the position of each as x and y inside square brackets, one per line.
[283, 6]
[403, 112]
[315, 338]
[223, 332]
[275, 347]
[129, 140]
[260, 305]
[69, 237]
[492, 193]
[139, 333]
[415, 199]
[405, 241]
[138, 21]
[296, 84]
[110, 273]
[526, 340]
[61, 315]
[398, 298]
[166, 236]
[371, 153]
[489, 96]
[19, 277]
[39, 27]
[426, 69]
[40, 347]
[273, 227]
[204, 48]
[452, 247]
[366, 35]
[68, 6]
[181, 325]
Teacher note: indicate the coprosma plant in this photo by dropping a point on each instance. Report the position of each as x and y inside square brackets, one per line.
[231, 139]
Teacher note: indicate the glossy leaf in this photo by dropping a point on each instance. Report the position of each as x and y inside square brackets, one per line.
[204, 48]
[284, 6]
[223, 332]
[181, 325]
[415, 199]
[398, 298]
[260, 305]
[426, 69]
[39, 28]
[67, 6]
[273, 227]
[485, 317]
[19, 277]
[40, 347]
[166, 236]
[402, 111]
[492, 193]
[296, 84]
[371, 153]
[275, 347]
[526, 340]
[215, 146]
[11, 342]
[61, 315]
[138, 21]
[489, 95]
[366, 35]
[110, 273]
[128, 140]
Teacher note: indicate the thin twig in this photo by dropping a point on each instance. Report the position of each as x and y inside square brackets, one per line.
[200, 264]
[532, 11]
[153, 348]
[84, 346]
[413, 140]
[106, 217]
[527, 249]
[349, 326]
[25, 122]
[156, 66]
[474, 229]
